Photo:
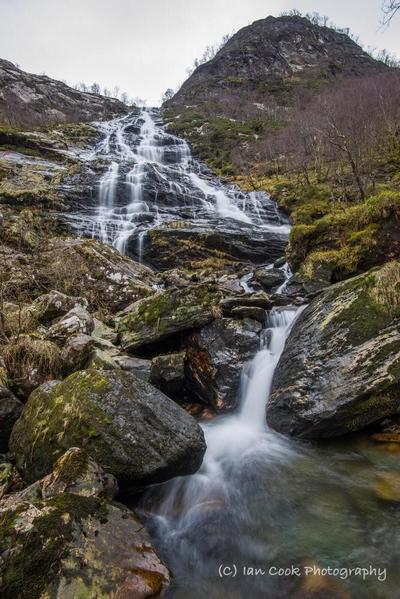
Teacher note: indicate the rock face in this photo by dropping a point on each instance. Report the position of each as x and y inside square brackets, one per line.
[168, 312]
[216, 356]
[127, 426]
[180, 244]
[27, 99]
[57, 525]
[340, 369]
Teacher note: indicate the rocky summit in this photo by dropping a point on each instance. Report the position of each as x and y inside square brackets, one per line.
[277, 55]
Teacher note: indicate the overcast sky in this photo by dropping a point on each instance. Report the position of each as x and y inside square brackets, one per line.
[145, 46]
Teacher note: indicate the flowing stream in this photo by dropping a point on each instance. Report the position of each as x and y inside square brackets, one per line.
[260, 500]
[264, 502]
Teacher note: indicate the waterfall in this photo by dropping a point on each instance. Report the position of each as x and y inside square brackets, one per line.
[151, 178]
[232, 441]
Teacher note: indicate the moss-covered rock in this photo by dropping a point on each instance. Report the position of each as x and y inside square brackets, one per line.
[127, 426]
[44, 543]
[340, 369]
[168, 312]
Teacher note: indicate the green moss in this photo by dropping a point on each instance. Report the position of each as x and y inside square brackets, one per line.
[35, 563]
[71, 466]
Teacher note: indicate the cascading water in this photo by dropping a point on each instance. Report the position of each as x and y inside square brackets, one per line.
[261, 501]
[152, 178]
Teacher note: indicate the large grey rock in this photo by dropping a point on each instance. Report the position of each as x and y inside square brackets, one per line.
[127, 426]
[216, 355]
[166, 313]
[340, 369]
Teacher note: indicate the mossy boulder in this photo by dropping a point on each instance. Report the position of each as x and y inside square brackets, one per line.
[71, 546]
[340, 369]
[127, 426]
[168, 312]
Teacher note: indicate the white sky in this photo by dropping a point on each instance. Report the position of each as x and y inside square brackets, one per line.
[145, 46]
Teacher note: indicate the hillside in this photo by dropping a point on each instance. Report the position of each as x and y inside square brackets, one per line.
[35, 100]
[247, 88]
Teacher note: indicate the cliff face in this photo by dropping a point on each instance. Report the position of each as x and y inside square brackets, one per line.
[27, 99]
[286, 50]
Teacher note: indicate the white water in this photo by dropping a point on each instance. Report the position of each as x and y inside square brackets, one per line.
[233, 440]
[151, 177]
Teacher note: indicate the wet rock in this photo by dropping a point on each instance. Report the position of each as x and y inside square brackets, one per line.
[168, 374]
[387, 487]
[127, 426]
[76, 321]
[168, 312]
[340, 369]
[10, 411]
[249, 312]
[269, 277]
[298, 285]
[45, 543]
[250, 300]
[180, 244]
[216, 355]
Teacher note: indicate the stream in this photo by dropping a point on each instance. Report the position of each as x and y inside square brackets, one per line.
[260, 500]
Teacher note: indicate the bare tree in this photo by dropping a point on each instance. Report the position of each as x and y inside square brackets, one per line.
[95, 88]
[389, 8]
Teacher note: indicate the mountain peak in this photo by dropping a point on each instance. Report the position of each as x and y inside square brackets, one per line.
[286, 48]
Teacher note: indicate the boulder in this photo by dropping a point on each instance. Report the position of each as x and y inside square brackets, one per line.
[72, 545]
[251, 300]
[269, 277]
[10, 411]
[168, 374]
[340, 369]
[126, 425]
[166, 313]
[54, 304]
[216, 355]
[76, 321]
